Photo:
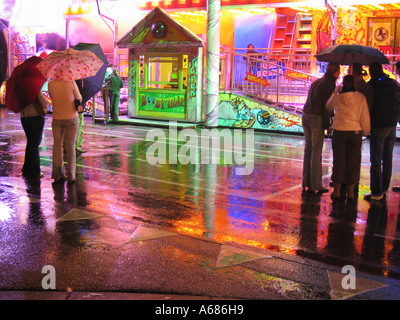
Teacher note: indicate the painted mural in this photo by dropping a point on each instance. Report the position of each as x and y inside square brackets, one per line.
[241, 112]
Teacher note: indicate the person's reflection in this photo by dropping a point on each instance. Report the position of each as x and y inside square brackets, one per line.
[373, 247]
[76, 190]
[310, 209]
[394, 253]
[33, 191]
[340, 239]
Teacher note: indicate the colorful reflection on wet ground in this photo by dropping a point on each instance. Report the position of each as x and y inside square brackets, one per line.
[264, 210]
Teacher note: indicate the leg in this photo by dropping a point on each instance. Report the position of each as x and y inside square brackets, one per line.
[33, 127]
[58, 157]
[79, 137]
[339, 157]
[70, 141]
[353, 162]
[387, 158]
[376, 149]
[307, 153]
[317, 138]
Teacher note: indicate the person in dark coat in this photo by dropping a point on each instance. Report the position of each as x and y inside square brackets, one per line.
[114, 87]
[315, 120]
[383, 95]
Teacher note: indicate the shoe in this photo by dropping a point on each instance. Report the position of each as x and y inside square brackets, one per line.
[375, 197]
[396, 189]
[323, 190]
[62, 179]
[39, 176]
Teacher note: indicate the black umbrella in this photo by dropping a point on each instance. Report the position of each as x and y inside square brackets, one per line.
[347, 54]
[91, 85]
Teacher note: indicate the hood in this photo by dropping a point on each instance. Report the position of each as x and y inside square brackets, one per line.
[348, 99]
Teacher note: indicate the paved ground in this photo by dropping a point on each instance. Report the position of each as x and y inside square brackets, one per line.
[127, 229]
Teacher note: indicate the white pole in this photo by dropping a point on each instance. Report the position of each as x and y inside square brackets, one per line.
[212, 63]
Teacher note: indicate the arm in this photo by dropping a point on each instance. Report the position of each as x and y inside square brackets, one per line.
[77, 94]
[365, 119]
[330, 105]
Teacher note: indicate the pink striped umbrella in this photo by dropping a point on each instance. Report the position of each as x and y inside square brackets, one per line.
[70, 65]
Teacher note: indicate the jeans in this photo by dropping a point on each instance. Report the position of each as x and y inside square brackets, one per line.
[314, 142]
[33, 127]
[381, 153]
[64, 134]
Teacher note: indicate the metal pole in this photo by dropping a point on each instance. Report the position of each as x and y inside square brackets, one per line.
[332, 11]
[67, 33]
[212, 63]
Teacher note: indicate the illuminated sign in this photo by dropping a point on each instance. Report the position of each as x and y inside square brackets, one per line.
[162, 102]
[297, 75]
[252, 78]
[387, 13]
[193, 78]
[174, 4]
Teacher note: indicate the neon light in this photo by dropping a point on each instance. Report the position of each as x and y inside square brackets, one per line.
[252, 78]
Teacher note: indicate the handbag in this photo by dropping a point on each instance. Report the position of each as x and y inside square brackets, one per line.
[40, 109]
[78, 106]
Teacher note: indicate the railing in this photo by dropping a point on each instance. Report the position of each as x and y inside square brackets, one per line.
[289, 76]
[283, 86]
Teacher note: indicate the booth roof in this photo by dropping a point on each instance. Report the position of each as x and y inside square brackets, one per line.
[133, 38]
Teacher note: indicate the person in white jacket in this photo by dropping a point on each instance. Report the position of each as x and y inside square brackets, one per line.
[350, 122]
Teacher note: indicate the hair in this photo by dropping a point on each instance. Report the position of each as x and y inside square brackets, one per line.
[375, 70]
[331, 68]
[398, 64]
[348, 84]
[358, 69]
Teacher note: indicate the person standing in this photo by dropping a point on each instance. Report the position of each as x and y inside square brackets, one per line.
[79, 136]
[315, 120]
[384, 104]
[350, 122]
[33, 120]
[358, 73]
[65, 127]
[397, 74]
[251, 56]
[114, 87]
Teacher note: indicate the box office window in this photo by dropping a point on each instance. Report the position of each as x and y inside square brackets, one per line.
[163, 72]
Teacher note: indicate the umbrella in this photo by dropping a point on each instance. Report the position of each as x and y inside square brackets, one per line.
[91, 85]
[24, 84]
[70, 64]
[347, 54]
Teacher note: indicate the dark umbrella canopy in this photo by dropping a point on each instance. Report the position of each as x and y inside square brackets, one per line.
[347, 54]
[24, 84]
[88, 87]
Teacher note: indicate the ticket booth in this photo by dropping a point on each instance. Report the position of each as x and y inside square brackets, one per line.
[165, 69]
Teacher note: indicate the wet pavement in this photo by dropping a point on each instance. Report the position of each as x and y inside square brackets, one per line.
[127, 229]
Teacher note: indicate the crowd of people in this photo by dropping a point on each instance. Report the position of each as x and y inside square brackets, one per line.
[67, 126]
[352, 110]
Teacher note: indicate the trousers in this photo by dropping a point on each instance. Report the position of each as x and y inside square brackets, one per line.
[64, 134]
[33, 128]
[314, 142]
